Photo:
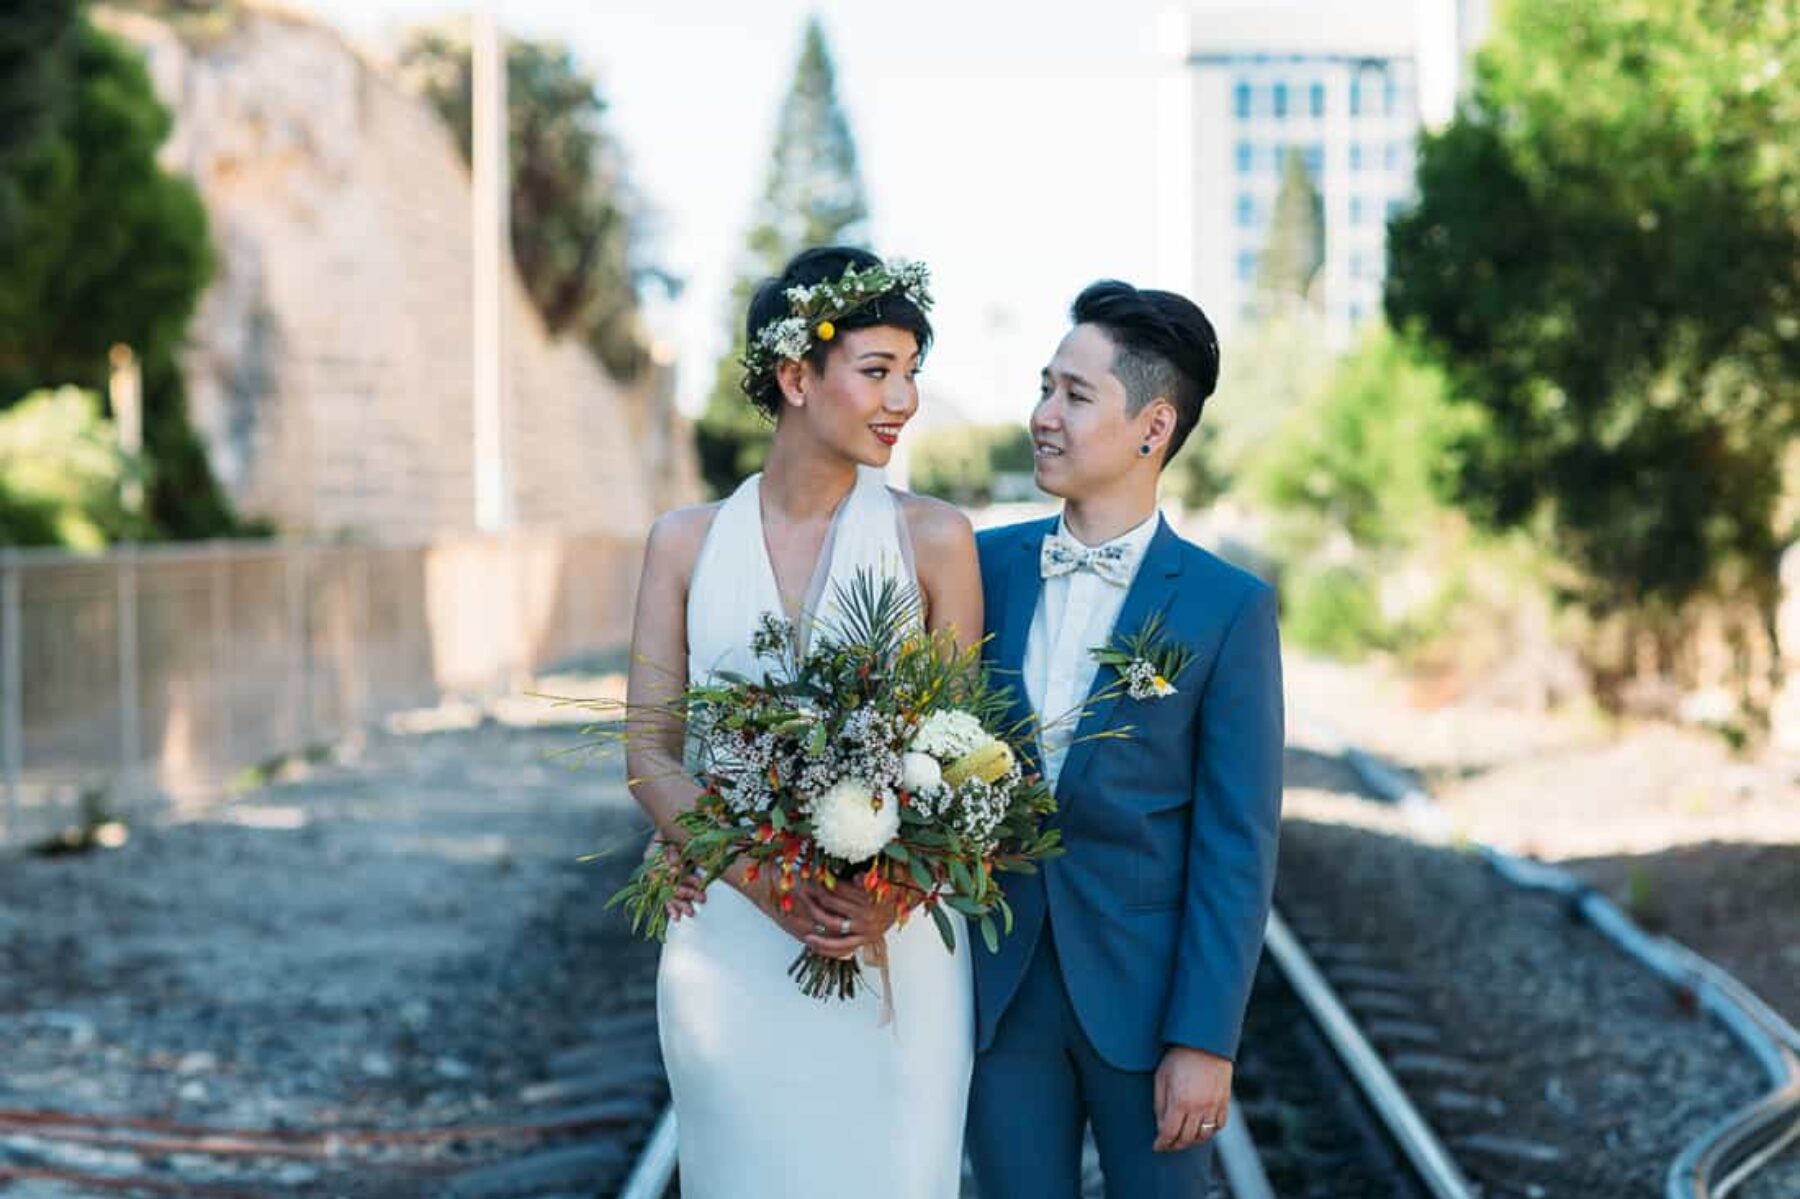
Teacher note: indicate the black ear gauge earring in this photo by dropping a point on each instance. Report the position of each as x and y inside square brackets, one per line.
[1144, 450]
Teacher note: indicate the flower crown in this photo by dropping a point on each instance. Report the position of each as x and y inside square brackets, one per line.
[813, 311]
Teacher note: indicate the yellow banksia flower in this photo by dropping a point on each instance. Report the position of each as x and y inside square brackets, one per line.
[989, 764]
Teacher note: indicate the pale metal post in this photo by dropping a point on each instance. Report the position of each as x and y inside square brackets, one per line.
[12, 693]
[220, 606]
[490, 257]
[300, 682]
[130, 749]
[360, 675]
[126, 389]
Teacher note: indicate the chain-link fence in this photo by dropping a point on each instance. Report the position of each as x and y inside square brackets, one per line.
[152, 675]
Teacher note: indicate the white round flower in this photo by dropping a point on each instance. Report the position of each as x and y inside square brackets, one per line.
[848, 825]
[948, 734]
[921, 774]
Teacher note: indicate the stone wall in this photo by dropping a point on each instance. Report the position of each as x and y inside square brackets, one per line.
[330, 365]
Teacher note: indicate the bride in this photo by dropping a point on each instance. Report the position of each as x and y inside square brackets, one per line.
[777, 1094]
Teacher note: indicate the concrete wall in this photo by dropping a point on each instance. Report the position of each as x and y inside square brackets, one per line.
[330, 365]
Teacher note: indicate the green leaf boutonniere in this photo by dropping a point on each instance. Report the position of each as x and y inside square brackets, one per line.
[1148, 663]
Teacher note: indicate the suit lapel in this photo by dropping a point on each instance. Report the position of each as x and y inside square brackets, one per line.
[1024, 585]
[1153, 590]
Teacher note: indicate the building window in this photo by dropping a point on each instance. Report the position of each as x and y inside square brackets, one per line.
[1394, 208]
[1396, 155]
[1356, 96]
[1357, 312]
[1241, 99]
[1318, 99]
[1246, 210]
[1356, 210]
[1281, 99]
[1314, 156]
[1356, 156]
[1246, 266]
[1246, 158]
[1390, 94]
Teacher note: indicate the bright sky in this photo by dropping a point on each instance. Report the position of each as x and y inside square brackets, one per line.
[1007, 143]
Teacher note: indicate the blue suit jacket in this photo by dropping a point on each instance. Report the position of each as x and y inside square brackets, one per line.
[1160, 897]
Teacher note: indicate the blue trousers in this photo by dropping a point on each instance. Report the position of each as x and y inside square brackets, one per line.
[1041, 1083]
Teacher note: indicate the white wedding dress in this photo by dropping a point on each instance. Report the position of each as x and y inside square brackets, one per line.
[777, 1095]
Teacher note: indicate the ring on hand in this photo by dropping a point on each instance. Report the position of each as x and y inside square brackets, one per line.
[1207, 1126]
[818, 930]
[844, 927]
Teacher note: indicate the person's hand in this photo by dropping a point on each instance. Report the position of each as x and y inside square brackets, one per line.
[842, 919]
[798, 921]
[689, 892]
[1193, 1094]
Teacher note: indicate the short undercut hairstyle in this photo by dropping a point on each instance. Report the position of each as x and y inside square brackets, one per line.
[1163, 346]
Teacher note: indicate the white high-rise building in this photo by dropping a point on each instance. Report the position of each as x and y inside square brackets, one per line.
[1348, 85]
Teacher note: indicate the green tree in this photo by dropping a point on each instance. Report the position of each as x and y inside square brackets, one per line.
[1278, 358]
[1604, 257]
[577, 235]
[960, 463]
[813, 196]
[1355, 478]
[1366, 454]
[63, 473]
[1296, 246]
[107, 248]
[37, 53]
[1273, 365]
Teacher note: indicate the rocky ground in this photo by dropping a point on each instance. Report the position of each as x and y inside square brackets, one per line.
[1691, 840]
[401, 937]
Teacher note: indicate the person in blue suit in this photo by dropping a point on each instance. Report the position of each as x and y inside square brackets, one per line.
[1118, 1000]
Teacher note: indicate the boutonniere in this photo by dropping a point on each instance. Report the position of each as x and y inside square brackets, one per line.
[1148, 663]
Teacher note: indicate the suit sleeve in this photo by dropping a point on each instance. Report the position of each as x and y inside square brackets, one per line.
[1232, 840]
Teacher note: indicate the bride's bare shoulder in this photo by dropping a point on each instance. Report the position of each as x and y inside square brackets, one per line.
[676, 535]
[934, 524]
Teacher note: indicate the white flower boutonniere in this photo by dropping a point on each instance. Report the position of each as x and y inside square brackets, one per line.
[1149, 664]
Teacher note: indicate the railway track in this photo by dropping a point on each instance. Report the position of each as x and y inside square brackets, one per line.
[576, 1133]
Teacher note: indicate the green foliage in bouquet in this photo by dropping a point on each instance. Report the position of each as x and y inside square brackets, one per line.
[879, 757]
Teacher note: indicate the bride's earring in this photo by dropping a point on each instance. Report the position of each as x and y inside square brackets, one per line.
[1144, 450]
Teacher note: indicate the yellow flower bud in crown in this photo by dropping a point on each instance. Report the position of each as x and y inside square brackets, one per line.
[826, 330]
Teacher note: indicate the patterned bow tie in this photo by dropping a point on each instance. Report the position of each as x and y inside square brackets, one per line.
[1112, 561]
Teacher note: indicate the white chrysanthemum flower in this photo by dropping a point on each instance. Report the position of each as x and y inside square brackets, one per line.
[948, 734]
[848, 825]
[921, 774]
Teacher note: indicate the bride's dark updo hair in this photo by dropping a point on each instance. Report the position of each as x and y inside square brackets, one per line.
[822, 264]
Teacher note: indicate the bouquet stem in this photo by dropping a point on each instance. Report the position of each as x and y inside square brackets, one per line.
[821, 977]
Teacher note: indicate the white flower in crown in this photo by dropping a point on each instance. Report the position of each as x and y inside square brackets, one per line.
[787, 338]
[815, 309]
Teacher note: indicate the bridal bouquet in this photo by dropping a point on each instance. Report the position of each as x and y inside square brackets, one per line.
[874, 760]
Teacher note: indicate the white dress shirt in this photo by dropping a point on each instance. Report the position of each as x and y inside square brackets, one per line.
[1075, 614]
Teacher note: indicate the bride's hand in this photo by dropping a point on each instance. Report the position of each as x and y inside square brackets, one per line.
[690, 892]
[761, 891]
[842, 919]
